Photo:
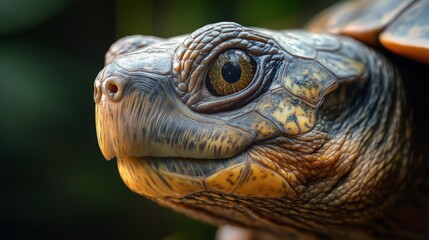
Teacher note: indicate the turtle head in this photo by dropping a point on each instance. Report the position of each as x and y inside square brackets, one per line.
[247, 125]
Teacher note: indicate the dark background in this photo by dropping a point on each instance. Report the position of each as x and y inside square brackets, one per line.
[55, 182]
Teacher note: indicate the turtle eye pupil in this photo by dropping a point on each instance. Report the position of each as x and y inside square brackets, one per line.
[231, 72]
[113, 88]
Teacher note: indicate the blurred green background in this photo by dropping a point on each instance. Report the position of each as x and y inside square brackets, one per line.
[56, 184]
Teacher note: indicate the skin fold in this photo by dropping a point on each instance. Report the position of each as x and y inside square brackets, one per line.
[318, 145]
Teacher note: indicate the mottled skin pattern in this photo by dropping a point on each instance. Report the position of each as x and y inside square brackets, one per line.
[320, 144]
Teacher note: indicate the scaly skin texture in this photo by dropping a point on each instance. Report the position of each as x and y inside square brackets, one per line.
[319, 144]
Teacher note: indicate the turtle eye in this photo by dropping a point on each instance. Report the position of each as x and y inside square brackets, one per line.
[231, 72]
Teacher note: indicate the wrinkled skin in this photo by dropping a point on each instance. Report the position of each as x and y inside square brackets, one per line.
[319, 144]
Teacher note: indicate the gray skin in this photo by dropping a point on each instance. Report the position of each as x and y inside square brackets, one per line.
[343, 140]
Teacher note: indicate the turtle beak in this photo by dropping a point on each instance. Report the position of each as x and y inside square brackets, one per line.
[138, 114]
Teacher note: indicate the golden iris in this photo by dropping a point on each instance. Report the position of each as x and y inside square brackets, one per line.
[231, 72]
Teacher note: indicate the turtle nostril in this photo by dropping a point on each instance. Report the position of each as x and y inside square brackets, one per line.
[113, 88]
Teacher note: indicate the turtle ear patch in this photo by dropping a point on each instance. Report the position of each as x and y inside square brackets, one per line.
[309, 81]
[293, 106]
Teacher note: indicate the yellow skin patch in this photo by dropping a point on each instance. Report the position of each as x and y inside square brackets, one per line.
[256, 181]
[142, 179]
[262, 182]
[291, 115]
[227, 180]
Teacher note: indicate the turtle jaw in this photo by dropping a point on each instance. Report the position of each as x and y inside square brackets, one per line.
[174, 178]
[161, 178]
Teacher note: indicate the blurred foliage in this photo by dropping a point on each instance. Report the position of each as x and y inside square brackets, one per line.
[170, 18]
[55, 180]
[16, 15]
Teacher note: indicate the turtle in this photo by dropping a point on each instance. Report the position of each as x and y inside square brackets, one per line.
[313, 133]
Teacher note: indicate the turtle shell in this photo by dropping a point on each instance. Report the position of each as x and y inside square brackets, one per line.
[401, 26]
